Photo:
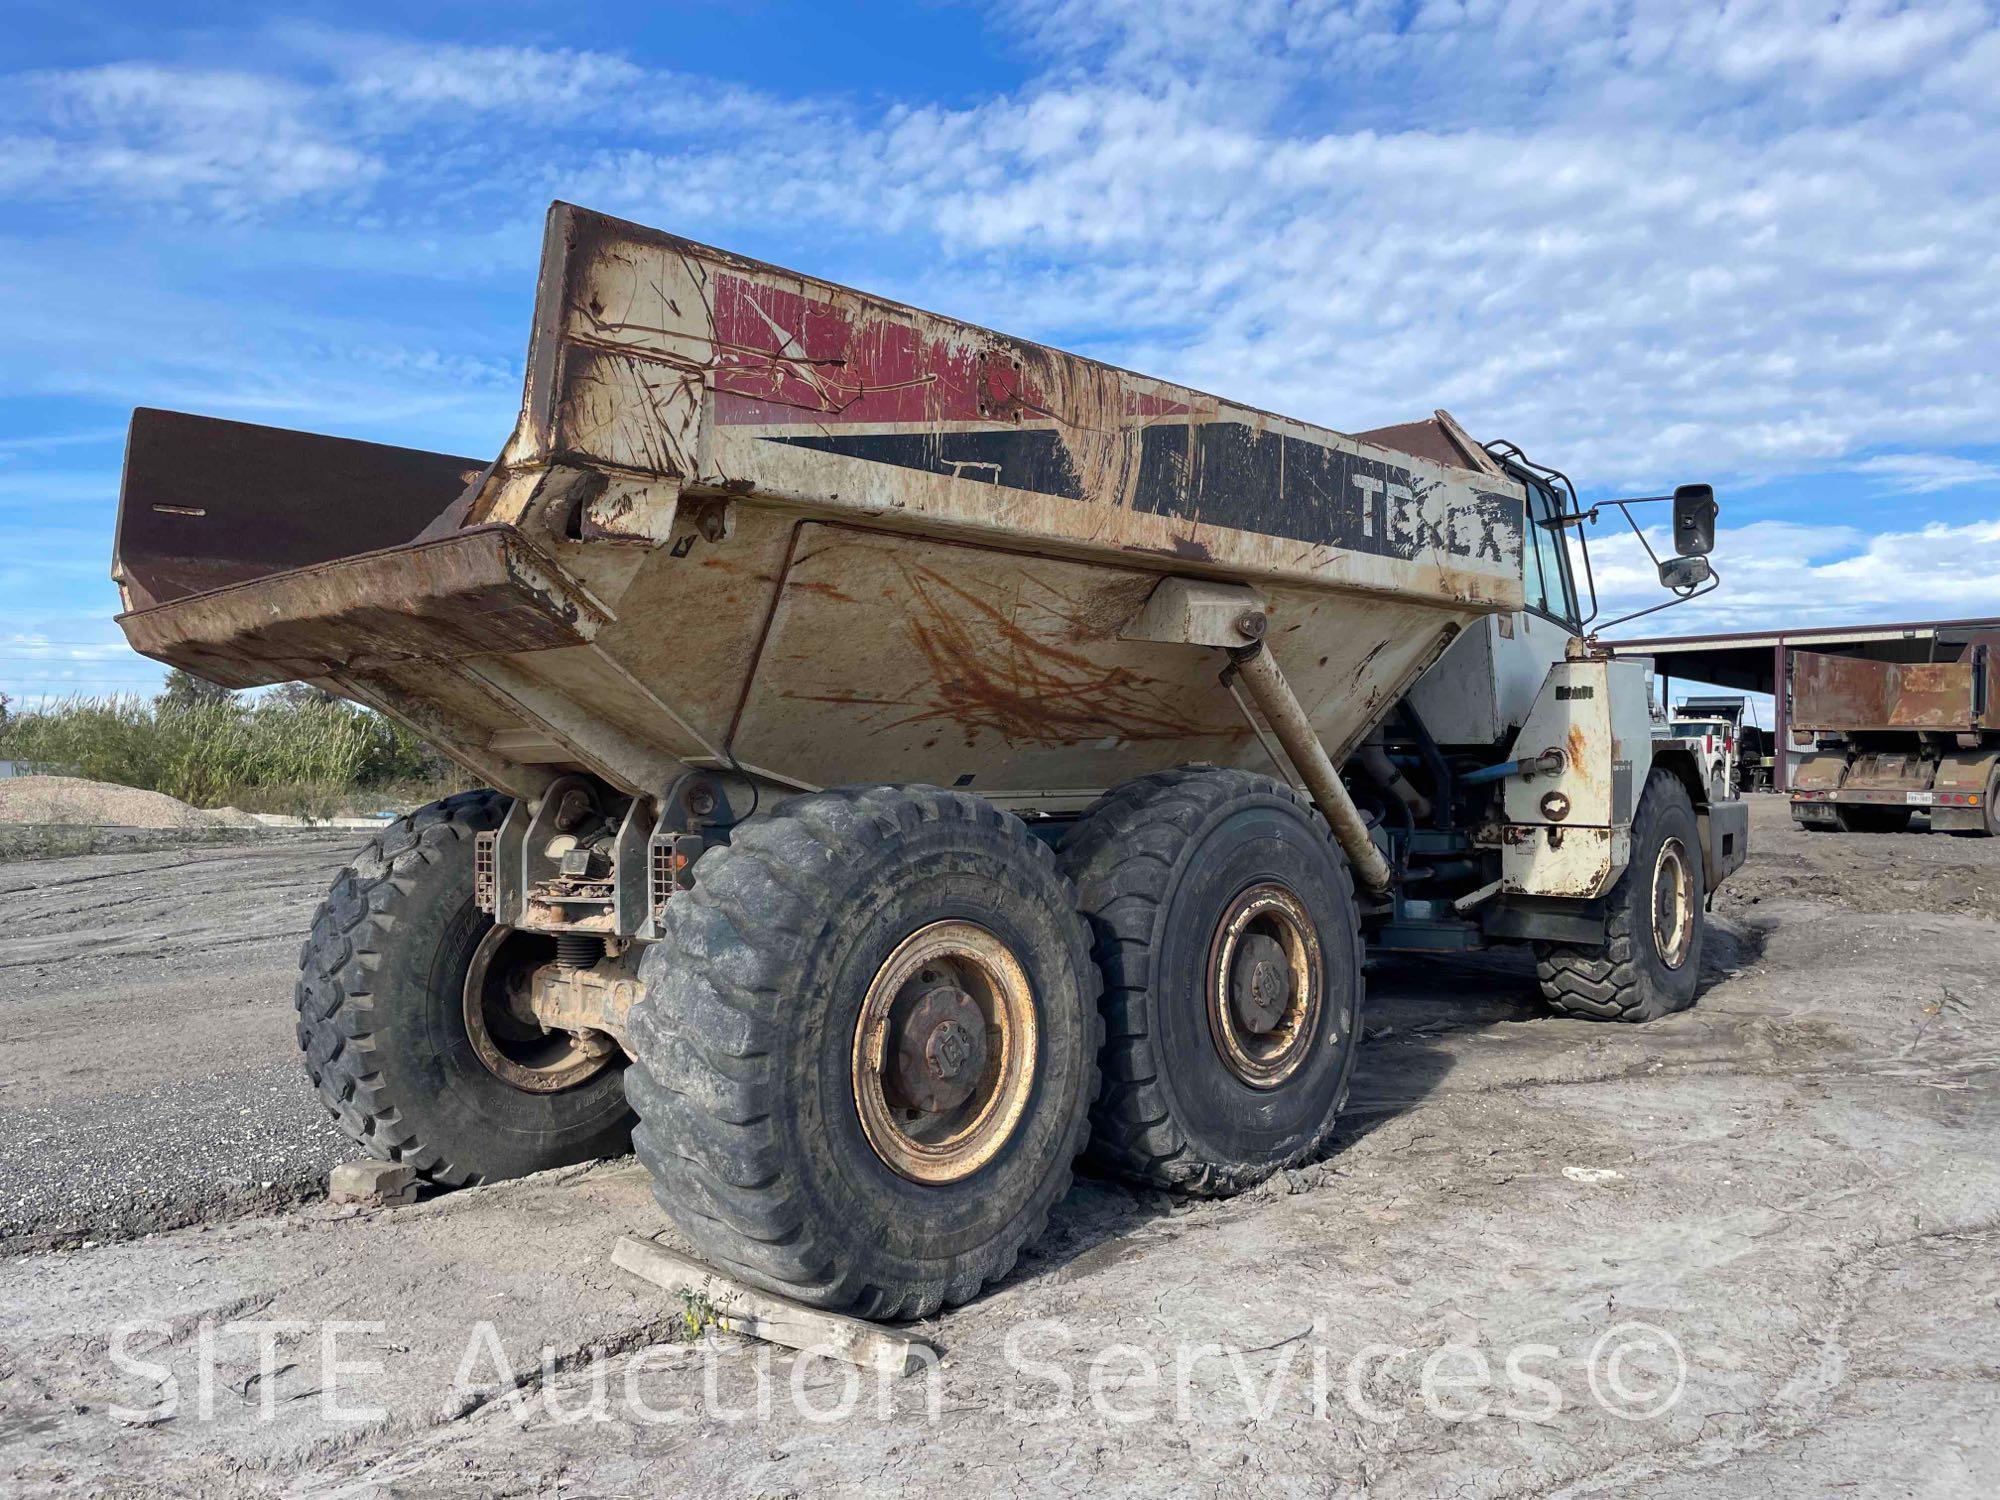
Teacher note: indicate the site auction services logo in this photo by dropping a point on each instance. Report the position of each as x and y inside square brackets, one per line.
[1634, 1372]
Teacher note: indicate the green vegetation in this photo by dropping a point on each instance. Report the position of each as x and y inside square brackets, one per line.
[293, 749]
[698, 1314]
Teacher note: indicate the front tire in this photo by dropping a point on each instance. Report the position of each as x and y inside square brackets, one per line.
[1231, 948]
[868, 1048]
[1651, 964]
[384, 1021]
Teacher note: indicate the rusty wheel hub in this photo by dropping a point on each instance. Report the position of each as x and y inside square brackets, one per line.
[940, 1052]
[1260, 983]
[500, 1021]
[944, 1052]
[1673, 904]
[1264, 986]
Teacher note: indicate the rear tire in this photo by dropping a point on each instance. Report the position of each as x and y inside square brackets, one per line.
[776, 1141]
[1651, 964]
[382, 1016]
[1207, 1089]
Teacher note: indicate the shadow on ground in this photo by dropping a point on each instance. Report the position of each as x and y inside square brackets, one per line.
[1414, 1002]
[1411, 1001]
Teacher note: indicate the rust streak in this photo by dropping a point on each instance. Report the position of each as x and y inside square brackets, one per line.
[991, 674]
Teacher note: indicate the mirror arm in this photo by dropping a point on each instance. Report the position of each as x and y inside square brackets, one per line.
[1637, 530]
[1714, 583]
[1526, 471]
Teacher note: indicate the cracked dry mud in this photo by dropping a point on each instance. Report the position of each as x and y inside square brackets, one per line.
[1798, 1180]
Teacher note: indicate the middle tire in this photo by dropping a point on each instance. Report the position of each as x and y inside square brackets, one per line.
[867, 1049]
[1231, 948]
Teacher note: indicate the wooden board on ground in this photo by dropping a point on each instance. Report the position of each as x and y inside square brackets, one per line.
[777, 1320]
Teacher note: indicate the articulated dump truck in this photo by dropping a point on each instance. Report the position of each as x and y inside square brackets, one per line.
[914, 759]
[1894, 738]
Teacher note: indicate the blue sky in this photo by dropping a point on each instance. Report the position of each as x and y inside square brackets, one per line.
[1749, 243]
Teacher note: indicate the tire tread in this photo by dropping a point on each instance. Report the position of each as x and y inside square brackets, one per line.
[1124, 880]
[334, 996]
[738, 944]
[1608, 983]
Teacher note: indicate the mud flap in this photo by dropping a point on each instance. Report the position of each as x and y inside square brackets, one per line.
[1725, 839]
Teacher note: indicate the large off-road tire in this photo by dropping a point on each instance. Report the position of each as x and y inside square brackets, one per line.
[1871, 818]
[1194, 880]
[821, 1113]
[1651, 965]
[383, 1016]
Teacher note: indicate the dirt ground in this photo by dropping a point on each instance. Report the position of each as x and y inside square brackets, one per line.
[1750, 1249]
[148, 1073]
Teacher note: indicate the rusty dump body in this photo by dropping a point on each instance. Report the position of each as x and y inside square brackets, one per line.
[749, 521]
[1844, 694]
[1895, 736]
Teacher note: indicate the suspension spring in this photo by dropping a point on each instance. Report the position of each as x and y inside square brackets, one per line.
[578, 950]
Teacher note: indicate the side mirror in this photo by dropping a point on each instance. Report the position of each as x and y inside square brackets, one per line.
[1694, 520]
[1685, 574]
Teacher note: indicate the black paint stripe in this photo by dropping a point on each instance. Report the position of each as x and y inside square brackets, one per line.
[1235, 475]
[1227, 474]
[1032, 459]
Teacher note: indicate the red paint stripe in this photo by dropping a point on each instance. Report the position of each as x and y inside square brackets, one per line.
[783, 356]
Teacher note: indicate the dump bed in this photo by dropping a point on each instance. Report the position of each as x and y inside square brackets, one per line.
[1845, 694]
[748, 518]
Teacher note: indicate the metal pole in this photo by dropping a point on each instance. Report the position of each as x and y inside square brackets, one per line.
[1781, 723]
[1267, 687]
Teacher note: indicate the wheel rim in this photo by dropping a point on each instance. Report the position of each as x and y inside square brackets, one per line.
[501, 1024]
[1265, 982]
[944, 1052]
[1673, 903]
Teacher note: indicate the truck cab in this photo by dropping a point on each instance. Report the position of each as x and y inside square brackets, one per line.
[1551, 840]
[1713, 743]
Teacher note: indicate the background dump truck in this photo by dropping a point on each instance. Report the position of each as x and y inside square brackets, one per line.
[1891, 738]
[915, 756]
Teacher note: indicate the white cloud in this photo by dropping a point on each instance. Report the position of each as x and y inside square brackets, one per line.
[42, 442]
[263, 354]
[441, 77]
[230, 141]
[1637, 272]
[1927, 473]
[39, 491]
[1776, 572]
[1651, 241]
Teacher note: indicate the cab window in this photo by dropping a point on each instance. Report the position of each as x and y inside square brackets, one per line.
[1545, 561]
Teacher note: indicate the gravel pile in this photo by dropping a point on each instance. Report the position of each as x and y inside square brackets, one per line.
[71, 801]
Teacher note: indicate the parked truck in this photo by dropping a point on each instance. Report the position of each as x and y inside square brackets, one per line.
[1890, 739]
[1714, 726]
[915, 757]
